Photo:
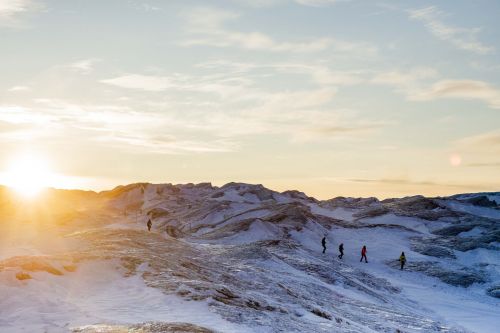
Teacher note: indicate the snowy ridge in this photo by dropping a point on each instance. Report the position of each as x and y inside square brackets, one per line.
[245, 258]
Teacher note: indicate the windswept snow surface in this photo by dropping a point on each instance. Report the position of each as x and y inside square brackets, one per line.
[96, 293]
[243, 258]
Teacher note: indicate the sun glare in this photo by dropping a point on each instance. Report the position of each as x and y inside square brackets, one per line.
[27, 175]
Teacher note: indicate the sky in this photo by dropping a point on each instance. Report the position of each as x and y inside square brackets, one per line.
[329, 97]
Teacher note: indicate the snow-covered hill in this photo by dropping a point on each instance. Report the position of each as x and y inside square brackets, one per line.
[243, 258]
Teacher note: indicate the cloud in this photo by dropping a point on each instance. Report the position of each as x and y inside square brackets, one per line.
[19, 89]
[484, 165]
[488, 142]
[140, 82]
[320, 74]
[461, 38]
[206, 26]
[11, 10]
[318, 3]
[403, 79]
[462, 89]
[408, 82]
[85, 66]
[114, 126]
[269, 3]
[228, 100]
[419, 84]
[423, 183]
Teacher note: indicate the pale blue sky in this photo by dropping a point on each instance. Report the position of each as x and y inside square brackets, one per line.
[351, 98]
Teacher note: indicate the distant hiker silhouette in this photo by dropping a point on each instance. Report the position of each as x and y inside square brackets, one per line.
[323, 242]
[341, 250]
[363, 254]
[402, 260]
[149, 224]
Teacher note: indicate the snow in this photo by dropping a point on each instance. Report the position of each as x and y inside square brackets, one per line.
[337, 213]
[257, 231]
[392, 219]
[477, 231]
[474, 210]
[453, 304]
[494, 197]
[96, 293]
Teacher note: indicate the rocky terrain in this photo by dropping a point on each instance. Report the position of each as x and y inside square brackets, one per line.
[243, 258]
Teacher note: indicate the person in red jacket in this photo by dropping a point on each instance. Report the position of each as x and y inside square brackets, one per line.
[363, 254]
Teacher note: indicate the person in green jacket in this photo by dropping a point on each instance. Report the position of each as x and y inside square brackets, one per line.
[402, 260]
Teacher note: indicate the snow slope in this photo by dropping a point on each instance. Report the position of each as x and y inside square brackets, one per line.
[243, 258]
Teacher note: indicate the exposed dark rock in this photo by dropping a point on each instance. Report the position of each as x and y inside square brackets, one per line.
[432, 250]
[294, 194]
[494, 291]
[372, 212]
[350, 202]
[158, 213]
[453, 230]
[419, 206]
[459, 278]
[482, 201]
[321, 313]
[260, 192]
[155, 327]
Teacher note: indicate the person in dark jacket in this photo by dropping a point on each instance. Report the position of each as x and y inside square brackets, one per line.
[149, 224]
[363, 254]
[323, 243]
[341, 250]
[402, 260]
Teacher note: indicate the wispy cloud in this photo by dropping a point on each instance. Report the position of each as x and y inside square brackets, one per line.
[11, 10]
[462, 38]
[422, 84]
[423, 183]
[85, 66]
[206, 26]
[485, 142]
[140, 82]
[110, 125]
[484, 165]
[462, 89]
[319, 3]
[408, 82]
[320, 74]
[232, 103]
[19, 89]
[268, 3]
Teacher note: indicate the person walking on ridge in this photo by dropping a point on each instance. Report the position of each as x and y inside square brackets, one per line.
[341, 250]
[402, 260]
[149, 224]
[363, 254]
[323, 243]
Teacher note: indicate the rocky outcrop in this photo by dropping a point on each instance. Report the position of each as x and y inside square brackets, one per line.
[351, 203]
[154, 327]
[432, 250]
[494, 291]
[482, 201]
[461, 277]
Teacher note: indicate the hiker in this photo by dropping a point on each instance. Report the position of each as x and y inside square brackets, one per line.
[402, 260]
[341, 250]
[149, 224]
[363, 254]
[323, 242]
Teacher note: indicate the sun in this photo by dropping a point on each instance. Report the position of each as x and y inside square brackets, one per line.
[27, 174]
